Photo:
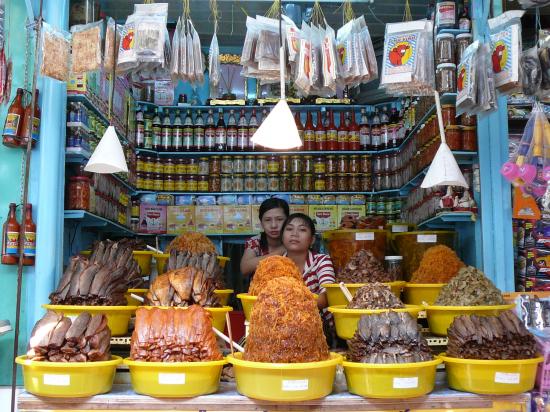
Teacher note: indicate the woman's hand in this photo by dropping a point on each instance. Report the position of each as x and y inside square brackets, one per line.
[322, 301]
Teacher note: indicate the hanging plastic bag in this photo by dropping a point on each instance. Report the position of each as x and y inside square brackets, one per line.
[86, 47]
[466, 80]
[531, 72]
[55, 53]
[183, 53]
[506, 50]
[367, 44]
[329, 61]
[112, 38]
[344, 48]
[526, 4]
[190, 71]
[303, 73]
[292, 34]
[250, 42]
[175, 61]
[197, 53]
[214, 70]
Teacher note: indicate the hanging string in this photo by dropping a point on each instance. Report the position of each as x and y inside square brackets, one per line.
[538, 26]
[215, 13]
[186, 9]
[347, 11]
[112, 84]
[273, 11]
[148, 1]
[407, 15]
[317, 15]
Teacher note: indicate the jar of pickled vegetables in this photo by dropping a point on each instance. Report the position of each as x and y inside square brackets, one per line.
[215, 183]
[320, 183]
[273, 184]
[285, 184]
[307, 164]
[238, 183]
[226, 183]
[204, 166]
[202, 184]
[261, 183]
[284, 164]
[307, 182]
[192, 183]
[227, 164]
[215, 165]
[296, 182]
[343, 182]
[295, 164]
[238, 165]
[319, 165]
[261, 164]
[250, 183]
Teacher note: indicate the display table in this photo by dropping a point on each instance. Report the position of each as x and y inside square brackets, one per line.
[122, 398]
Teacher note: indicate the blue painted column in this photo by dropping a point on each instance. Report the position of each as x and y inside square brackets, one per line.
[47, 178]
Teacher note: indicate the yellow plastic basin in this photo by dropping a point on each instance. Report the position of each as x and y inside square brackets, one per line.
[224, 295]
[162, 259]
[441, 317]
[68, 380]
[142, 257]
[118, 317]
[133, 301]
[336, 297]
[493, 377]
[248, 303]
[421, 293]
[396, 380]
[175, 380]
[346, 320]
[218, 314]
[284, 382]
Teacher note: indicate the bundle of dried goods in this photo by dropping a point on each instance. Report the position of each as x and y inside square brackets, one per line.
[206, 262]
[270, 268]
[192, 242]
[174, 335]
[365, 222]
[100, 280]
[55, 338]
[183, 287]
[469, 288]
[439, 264]
[363, 267]
[490, 337]
[388, 337]
[286, 326]
[375, 296]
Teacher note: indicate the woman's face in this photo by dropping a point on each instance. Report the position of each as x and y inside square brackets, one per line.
[297, 236]
[272, 222]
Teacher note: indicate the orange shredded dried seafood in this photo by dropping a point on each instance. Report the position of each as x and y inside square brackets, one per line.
[285, 326]
[438, 265]
[270, 268]
[193, 242]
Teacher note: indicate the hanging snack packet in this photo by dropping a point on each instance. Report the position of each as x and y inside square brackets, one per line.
[466, 80]
[214, 73]
[86, 47]
[175, 61]
[303, 73]
[544, 59]
[292, 39]
[329, 61]
[531, 72]
[112, 39]
[190, 70]
[197, 53]
[55, 53]
[127, 57]
[183, 53]
[250, 41]
[367, 44]
[506, 50]
[316, 63]
[344, 50]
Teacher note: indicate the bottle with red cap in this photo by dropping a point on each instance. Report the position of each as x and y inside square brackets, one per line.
[343, 142]
[299, 126]
[332, 133]
[364, 131]
[252, 127]
[309, 134]
[320, 134]
[354, 134]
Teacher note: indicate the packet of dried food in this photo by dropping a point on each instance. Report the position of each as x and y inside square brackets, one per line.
[250, 41]
[214, 74]
[197, 53]
[544, 58]
[367, 44]
[190, 70]
[506, 50]
[55, 53]
[466, 80]
[183, 52]
[112, 38]
[268, 45]
[127, 59]
[531, 72]
[316, 64]
[344, 49]
[86, 47]
[175, 61]
[362, 69]
[292, 39]
[329, 60]
[486, 92]
[303, 73]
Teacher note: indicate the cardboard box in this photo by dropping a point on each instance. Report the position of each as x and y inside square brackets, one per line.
[299, 209]
[355, 211]
[209, 219]
[256, 224]
[325, 217]
[237, 219]
[180, 219]
[152, 219]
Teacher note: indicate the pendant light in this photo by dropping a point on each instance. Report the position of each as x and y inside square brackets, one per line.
[444, 170]
[278, 130]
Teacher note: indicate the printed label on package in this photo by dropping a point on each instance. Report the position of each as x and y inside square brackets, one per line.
[426, 238]
[12, 124]
[295, 385]
[171, 378]
[503, 55]
[12, 243]
[400, 55]
[399, 228]
[507, 378]
[405, 383]
[56, 380]
[446, 13]
[364, 236]
[29, 244]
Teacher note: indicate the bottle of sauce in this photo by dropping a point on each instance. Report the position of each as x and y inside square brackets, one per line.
[140, 129]
[10, 238]
[464, 22]
[232, 132]
[148, 124]
[29, 241]
[445, 14]
[242, 133]
[384, 129]
[393, 128]
[252, 127]
[309, 134]
[354, 134]
[14, 121]
[320, 134]
[364, 131]
[375, 131]
[157, 131]
[35, 122]
[188, 132]
[210, 132]
[166, 133]
[221, 133]
[199, 133]
[343, 141]
[332, 133]
[299, 126]
[177, 133]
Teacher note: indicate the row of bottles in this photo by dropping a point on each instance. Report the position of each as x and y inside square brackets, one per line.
[18, 122]
[11, 243]
[382, 130]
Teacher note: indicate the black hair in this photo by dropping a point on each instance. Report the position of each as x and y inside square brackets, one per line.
[266, 206]
[305, 218]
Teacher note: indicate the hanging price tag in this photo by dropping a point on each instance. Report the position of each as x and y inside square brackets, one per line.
[295, 385]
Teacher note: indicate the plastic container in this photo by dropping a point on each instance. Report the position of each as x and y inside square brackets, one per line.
[248, 302]
[336, 297]
[175, 379]
[284, 382]
[68, 380]
[162, 260]
[491, 377]
[224, 295]
[133, 301]
[421, 293]
[441, 317]
[218, 314]
[396, 380]
[118, 317]
[343, 243]
[142, 257]
[412, 245]
[346, 320]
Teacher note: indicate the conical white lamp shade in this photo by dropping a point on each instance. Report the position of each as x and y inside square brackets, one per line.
[108, 156]
[444, 170]
[278, 130]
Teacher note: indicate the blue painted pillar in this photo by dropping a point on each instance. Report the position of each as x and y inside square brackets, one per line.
[47, 178]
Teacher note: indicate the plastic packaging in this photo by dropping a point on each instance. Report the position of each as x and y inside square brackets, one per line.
[86, 47]
[544, 59]
[175, 61]
[55, 50]
[214, 69]
[531, 72]
[112, 40]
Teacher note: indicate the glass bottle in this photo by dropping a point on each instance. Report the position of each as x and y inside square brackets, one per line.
[364, 131]
[166, 133]
[384, 129]
[221, 133]
[14, 121]
[199, 133]
[231, 133]
[140, 129]
[35, 122]
[188, 132]
[332, 133]
[252, 127]
[354, 138]
[29, 240]
[157, 130]
[464, 21]
[177, 133]
[309, 134]
[148, 126]
[343, 142]
[299, 126]
[10, 238]
[210, 132]
[375, 131]
[320, 134]
[242, 132]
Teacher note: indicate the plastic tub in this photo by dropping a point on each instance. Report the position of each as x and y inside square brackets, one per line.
[248, 302]
[396, 380]
[224, 295]
[133, 301]
[492, 377]
[284, 382]
[118, 317]
[441, 317]
[142, 257]
[412, 245]
[342, 244]
[162, 259]
[176, 379]
[336, 297]
[218, 314]
[421, 293]
[68, 379]
[346, 320]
